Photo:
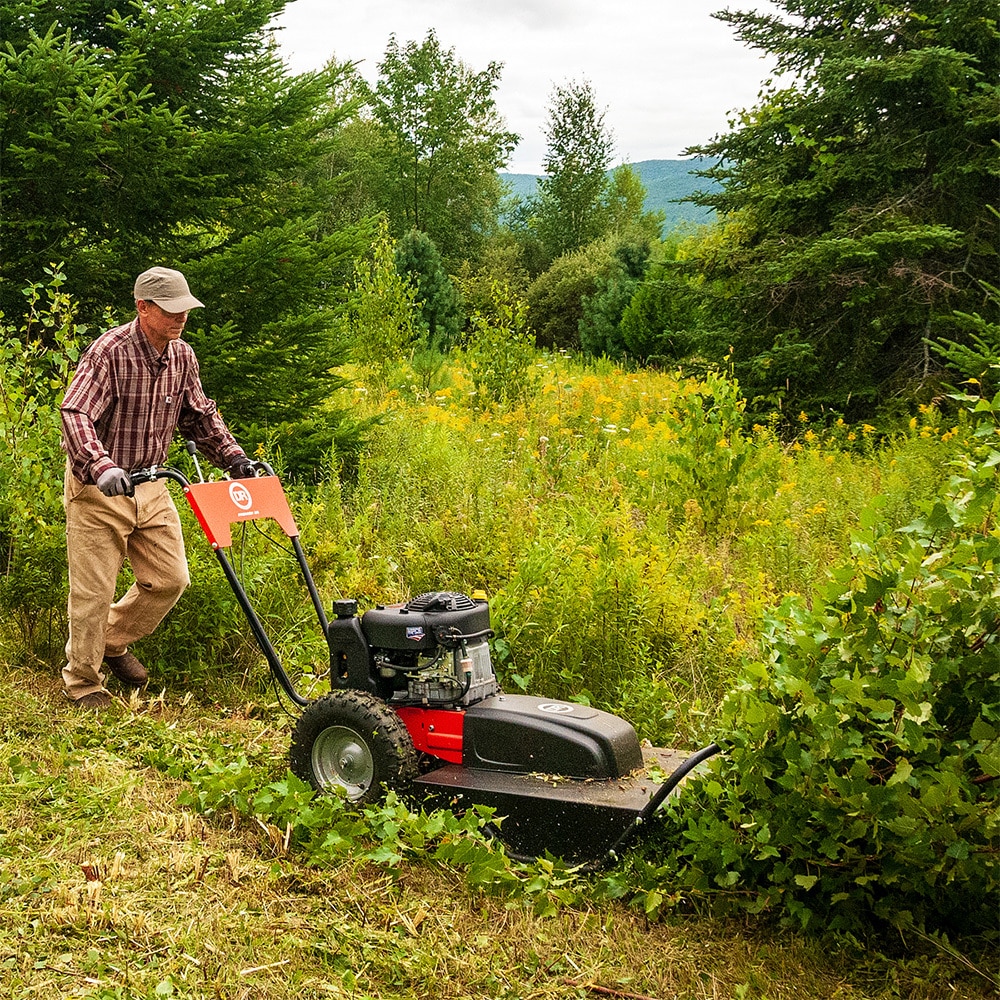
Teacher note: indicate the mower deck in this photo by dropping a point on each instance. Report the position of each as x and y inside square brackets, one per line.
[579, 820]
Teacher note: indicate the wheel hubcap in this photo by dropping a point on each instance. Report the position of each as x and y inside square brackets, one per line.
[340, 758]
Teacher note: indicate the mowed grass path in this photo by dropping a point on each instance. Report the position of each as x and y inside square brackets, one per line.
[109, 889]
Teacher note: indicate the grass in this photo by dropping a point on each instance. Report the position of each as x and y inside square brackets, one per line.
[109, 889]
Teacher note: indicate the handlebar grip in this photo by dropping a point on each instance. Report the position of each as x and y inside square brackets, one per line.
[138, 476]
[155, 472]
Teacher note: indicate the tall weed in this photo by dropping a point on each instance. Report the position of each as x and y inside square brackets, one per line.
[629, 529]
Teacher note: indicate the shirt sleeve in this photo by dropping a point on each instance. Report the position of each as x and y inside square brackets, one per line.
[200, 421]
[87, 399]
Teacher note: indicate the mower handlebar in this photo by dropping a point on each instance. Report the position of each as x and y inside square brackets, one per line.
[155, 472]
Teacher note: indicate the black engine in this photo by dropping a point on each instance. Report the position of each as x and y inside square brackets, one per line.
[432, 650]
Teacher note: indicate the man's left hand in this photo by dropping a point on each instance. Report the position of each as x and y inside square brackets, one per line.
[242, 468]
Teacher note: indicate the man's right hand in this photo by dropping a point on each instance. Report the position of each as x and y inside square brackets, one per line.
[115, 483]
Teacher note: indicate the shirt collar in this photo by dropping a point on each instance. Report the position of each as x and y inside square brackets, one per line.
[146, 349]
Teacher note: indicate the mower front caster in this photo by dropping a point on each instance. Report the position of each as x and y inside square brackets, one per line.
[351, 740]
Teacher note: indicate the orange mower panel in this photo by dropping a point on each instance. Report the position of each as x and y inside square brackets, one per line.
[220, 505]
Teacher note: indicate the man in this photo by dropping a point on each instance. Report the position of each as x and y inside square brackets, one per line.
[134, 387]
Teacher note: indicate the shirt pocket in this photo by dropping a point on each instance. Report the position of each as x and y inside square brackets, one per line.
[169, 394]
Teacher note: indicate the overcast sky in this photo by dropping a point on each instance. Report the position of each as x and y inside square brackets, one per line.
[667, 72]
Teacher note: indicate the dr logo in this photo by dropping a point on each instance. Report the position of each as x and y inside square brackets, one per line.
[555, 708]
[240, 496]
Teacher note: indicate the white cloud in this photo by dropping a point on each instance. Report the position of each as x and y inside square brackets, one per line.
[667, 72]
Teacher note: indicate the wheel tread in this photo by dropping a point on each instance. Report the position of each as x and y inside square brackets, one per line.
[381, 729]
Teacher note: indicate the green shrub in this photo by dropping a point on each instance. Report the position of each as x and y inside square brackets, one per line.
[556, 297]
[659, 321]
[501, 350]
[861, 775]
[380, 313]
[36, 356]
[707, 463]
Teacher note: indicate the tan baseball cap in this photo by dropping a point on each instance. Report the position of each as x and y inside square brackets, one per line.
[167, 288]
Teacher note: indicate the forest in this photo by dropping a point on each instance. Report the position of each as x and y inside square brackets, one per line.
[734, 481]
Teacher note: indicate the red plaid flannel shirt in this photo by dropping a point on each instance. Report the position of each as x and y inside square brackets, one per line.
[126, 401]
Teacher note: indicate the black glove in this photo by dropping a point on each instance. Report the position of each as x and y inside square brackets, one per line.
[242, 468]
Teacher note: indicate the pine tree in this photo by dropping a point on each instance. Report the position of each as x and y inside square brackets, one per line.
[439, 310]
[172, 134]
[857, 196]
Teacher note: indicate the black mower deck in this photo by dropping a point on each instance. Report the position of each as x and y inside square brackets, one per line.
[578, 820]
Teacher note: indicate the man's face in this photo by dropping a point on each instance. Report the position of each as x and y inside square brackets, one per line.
[159, 325]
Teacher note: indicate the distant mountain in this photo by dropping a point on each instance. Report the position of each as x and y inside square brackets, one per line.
[665, 181]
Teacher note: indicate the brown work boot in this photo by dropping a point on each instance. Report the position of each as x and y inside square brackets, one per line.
[94, 700]
[127, 669]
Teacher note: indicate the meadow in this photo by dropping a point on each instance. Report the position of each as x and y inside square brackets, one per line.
[635, 533]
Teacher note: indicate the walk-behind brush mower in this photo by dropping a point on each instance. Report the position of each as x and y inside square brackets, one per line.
[414, 705]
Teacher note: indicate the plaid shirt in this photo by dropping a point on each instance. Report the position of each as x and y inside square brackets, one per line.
[126, 401]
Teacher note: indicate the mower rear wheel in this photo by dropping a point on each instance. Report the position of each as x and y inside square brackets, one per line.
[350, 740]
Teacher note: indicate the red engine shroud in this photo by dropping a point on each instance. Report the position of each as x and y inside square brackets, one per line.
[435, 731]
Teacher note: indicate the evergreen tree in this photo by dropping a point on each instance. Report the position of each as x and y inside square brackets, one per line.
[173, 135]
[613, 291]
[439, 310]
[857, 197]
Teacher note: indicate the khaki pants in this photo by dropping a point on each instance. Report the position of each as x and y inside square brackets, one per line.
[101, 532]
